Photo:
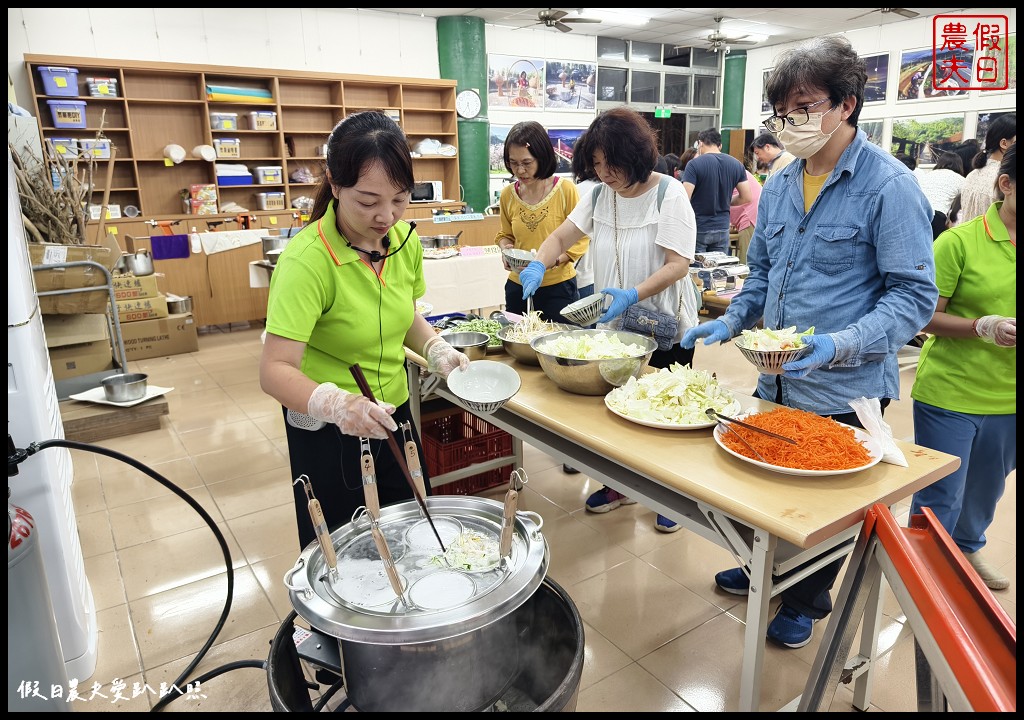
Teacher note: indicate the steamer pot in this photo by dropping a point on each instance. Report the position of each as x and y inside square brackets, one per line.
[459, 656]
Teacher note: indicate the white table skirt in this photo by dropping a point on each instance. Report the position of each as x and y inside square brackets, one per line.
[460, 283]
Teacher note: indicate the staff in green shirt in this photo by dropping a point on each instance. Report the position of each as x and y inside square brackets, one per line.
[344, 292]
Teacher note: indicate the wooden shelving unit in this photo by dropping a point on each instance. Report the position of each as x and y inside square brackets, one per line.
[166, 103]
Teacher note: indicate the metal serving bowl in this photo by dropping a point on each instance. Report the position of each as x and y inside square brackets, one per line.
[474, 344]
[124, 388]
[522, 351]
[593, 377]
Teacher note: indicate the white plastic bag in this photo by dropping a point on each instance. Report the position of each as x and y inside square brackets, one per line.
[869, 412]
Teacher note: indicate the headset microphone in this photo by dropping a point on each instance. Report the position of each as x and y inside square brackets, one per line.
[377, 255]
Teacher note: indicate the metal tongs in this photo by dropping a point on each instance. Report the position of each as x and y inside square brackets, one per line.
[725, 422]
[508, 518]
[372, 500]
[323, 535]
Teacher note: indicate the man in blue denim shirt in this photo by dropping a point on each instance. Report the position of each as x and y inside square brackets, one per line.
[843, 243]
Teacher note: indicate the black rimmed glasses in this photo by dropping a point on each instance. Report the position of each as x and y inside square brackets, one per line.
[796, 118]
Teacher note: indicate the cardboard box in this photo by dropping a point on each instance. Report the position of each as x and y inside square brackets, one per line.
[130, 287]
[64, 330]
[129, 311]
[64, 278]
[83, 359]
[172, 335]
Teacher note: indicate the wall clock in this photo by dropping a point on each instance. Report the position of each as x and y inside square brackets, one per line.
[467, 104]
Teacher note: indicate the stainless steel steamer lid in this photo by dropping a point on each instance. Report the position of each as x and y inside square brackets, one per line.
[381, 619]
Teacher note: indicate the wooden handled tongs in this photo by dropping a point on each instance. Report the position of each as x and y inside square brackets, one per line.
[372, 500]
[323, 535]
[508, 517]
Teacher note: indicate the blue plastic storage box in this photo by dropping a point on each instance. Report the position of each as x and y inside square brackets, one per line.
[234, 180]
[59, 81]
[67, 113]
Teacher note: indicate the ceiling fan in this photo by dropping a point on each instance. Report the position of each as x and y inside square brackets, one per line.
[909, 14]
[718, 40]
[557, 19]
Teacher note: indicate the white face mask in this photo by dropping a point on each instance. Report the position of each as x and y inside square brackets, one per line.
[803, 141]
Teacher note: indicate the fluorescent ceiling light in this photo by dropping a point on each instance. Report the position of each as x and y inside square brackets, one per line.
[620, 16]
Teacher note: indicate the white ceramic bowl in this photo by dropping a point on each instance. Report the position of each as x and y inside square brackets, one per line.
[517, 258]
[485, 385]
[770, 362]
[586, 311]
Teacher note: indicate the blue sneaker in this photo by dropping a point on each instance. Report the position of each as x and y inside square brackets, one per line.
[790, 628]
[663, 524]
[606, 500]
[733, 581]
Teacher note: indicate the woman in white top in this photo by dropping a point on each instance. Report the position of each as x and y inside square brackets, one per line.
[650, 243]
[942, 183]
[979, 190]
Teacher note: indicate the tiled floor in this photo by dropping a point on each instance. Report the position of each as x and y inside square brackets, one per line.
[659, 635]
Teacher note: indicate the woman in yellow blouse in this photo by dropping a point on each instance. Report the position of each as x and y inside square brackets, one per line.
[531, 208]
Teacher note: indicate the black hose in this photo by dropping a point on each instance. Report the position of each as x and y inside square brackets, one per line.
[180, 682]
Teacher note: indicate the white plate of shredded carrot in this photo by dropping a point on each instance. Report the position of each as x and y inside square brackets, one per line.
[824, 446]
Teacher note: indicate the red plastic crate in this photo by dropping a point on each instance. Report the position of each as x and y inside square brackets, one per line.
[453, 439]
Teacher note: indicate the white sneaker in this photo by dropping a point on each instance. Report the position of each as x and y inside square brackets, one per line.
[989, 575]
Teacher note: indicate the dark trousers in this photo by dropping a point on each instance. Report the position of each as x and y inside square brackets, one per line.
[811, 596]
[548, 300]
[331, 460]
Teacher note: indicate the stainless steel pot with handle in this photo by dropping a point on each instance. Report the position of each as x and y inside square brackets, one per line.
[139, 263]
[451, 644]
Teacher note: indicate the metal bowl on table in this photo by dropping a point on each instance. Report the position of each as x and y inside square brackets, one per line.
[522, 351]
[444, 241]
[474, 344]
[593, 377]
[125, 387]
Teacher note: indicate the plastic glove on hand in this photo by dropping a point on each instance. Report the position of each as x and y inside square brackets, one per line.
[714, 331]
[621, 300]
[353, 414]
[823, 351]
[442, 358]
[997, 329]
[531, 276]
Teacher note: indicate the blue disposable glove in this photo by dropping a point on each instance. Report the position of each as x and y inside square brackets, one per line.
[621, 300]
[823, 351]
[714, 331]
[531, 277]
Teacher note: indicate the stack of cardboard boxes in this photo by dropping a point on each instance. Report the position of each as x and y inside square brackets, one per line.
[146, 327]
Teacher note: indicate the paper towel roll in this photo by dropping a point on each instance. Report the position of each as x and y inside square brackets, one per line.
[204, 152]
[174, 153]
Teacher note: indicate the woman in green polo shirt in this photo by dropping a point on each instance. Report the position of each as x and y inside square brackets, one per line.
[965, 393]
[343, 292]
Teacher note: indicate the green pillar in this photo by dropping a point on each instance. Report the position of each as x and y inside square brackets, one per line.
[462, 56]
[732, 94]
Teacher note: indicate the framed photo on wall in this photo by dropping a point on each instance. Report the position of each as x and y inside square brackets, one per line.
[515, 82]
[563, 140]
[985, 120]
[1011, 43]
[569, 85]
[497, 149]
[873, 128]
[924, 137]
[916, 69]
[766, 107]
[878, 77]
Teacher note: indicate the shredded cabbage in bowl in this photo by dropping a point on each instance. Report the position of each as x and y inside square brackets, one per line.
[767, 339]
[677, 395]
[594, 346]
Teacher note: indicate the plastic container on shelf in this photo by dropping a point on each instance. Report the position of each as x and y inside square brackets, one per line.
[270, 200]
[224, 121]
[67, 113]
[227, 180]
[269, 174]
[97, 148]
[263, 120]
[59, 80]
[228, 147]
[66, 146]
[102, 86]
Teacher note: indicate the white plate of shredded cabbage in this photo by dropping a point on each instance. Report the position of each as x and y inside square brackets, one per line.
[673, 398]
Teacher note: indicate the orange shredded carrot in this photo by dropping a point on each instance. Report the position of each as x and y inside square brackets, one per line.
[822, 443]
